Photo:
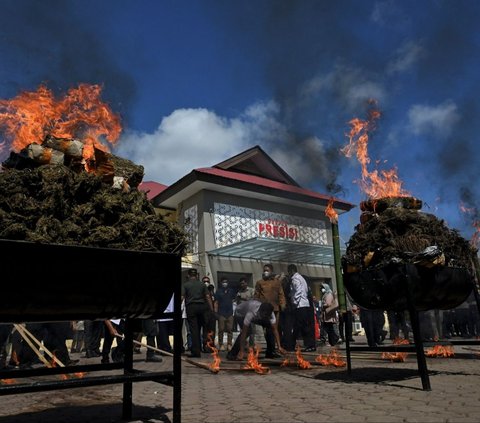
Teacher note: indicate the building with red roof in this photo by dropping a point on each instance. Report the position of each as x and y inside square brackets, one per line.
[247, 211]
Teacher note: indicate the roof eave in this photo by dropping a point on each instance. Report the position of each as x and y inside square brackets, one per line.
[177, 187]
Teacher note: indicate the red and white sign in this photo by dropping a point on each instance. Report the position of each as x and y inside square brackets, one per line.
[234, 224]
[272, 228]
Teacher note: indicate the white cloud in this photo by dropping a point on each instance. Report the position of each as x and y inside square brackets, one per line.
[192, 138]
[406, 57]
[438, 120]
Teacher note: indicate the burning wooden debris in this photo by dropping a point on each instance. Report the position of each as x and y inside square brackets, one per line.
[113, 170]
[333, 359]
[440, 351]
[253, 363]
[397, 357]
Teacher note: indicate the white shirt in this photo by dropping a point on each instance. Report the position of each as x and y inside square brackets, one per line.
[248, 310]
[169, 309]
[299, 292]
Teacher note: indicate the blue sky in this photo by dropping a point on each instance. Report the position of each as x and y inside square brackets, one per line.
[196, 82]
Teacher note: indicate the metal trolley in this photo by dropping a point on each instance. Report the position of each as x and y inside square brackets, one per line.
[87, 283]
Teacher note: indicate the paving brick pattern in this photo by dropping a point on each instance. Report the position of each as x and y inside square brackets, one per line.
[376, 391]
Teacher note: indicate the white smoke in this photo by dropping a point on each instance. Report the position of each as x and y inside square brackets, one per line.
[437, 120]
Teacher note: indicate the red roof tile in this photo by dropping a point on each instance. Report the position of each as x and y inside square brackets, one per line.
[257, 180]
[152, 188]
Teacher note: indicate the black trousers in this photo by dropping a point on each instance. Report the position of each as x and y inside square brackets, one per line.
[287, 322]
[305, 326]
[197, 321]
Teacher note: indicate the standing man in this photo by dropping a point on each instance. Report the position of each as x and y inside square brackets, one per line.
[245, 293]
[269, 290]
[211, 326]
[224, 309]
[329, 314]
[304, 319]
[197, 304]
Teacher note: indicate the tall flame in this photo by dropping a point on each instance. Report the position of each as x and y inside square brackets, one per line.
[253, 363]
[31, 116]
[301, 362]
[215, 364]
[375, 184]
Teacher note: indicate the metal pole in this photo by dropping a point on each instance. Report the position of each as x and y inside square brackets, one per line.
[177, 345]
[341, 295]
[476, 282]
[127, 369]
[417, 337]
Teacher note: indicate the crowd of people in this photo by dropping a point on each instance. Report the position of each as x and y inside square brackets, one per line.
[279, 307]
[296, 315]
[63, 339]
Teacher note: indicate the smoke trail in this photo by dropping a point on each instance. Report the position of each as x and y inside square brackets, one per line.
[48, 42]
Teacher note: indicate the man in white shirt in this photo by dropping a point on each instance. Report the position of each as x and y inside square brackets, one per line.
[303, 312]
[248, 312]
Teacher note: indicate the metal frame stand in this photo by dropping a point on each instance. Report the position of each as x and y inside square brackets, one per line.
[417, 347]
[129, 376]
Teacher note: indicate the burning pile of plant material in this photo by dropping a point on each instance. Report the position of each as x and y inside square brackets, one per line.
[61, 185]
[394, 230]
[54, 204]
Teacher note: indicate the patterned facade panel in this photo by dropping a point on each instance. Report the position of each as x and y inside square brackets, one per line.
[235, 224]
[190, 224]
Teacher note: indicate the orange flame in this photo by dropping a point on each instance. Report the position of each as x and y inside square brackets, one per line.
[301, 362]
[398, 357]
[330, 212]
[79, 375]
[252, 362]
[31, 116]
[333, 359]
[53, 363]
[215, 365]
[440, 351]
[395, 357]
[375, 184]
[7, 381]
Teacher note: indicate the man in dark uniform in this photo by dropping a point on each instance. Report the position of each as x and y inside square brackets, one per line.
[198, 304]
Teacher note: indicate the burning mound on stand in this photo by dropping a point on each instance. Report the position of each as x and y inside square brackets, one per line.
[400, 258]
[61, 185]
[395, 247]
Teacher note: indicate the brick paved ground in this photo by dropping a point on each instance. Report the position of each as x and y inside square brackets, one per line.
[377, 391]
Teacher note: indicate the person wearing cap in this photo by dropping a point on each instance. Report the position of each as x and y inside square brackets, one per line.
[198, 304]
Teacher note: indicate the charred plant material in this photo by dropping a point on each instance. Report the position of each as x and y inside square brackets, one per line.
[394, 231]
[400, 258]
[55, 204]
